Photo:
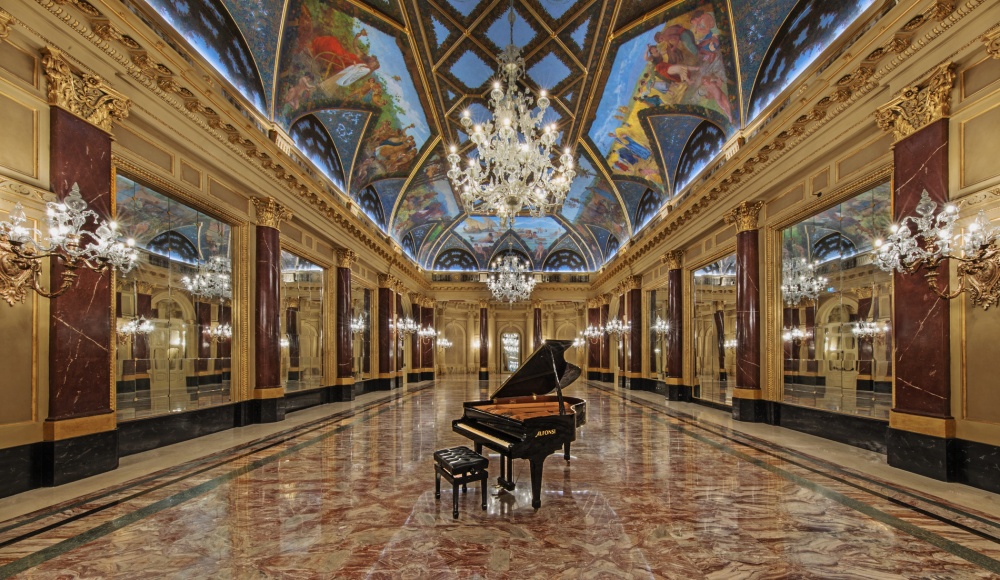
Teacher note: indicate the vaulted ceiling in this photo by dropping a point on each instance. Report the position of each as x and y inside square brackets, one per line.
[646, 92]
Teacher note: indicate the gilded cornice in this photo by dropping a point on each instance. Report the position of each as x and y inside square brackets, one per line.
[6, 21]
[992, 42]
[86, 96]
[346, 258]
[270, 213]
[745, 216]
[847, 91]
[674, 259]
[918, 106]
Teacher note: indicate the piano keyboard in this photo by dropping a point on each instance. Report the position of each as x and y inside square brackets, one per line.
[476, 433]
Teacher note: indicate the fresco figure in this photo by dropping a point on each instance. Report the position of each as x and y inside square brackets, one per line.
[344, 66]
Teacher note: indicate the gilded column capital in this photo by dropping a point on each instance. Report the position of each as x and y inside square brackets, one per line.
[416, 299]
[386, 281]
[6, 21]
[605, 299]
[674, 259]
[86, 96]
[918, 106]
[346, 258]
[536, 303]
[745, 216]
[631, 283]
[399, 287]
[864, 292]
[143, 287]
[593, 303]
[992, 42]
[483, 303]
[270, 213]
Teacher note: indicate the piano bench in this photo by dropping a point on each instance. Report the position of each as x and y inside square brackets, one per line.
[460, 466]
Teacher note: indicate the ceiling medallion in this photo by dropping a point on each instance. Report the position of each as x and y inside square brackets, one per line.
[511, 168]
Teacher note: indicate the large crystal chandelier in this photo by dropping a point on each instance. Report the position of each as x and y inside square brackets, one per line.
[799, 281]
[513, 166]
[135, 327]
[212, 280]
[510, 278]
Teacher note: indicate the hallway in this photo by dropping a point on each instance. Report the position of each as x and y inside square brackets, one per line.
[652, 492]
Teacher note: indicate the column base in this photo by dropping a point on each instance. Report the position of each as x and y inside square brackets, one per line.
[607, 377]
[484, 375]
[267, 410]
[412, 377]
[593, 375]
[76, 458]
[427, 376]
[927, 455]
[749, 410]
[680, 393]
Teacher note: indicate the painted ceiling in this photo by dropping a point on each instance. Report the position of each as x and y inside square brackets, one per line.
[371, 91]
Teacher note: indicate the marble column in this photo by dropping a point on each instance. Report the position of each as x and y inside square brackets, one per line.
[386, 321]
[748, 403]
[536, 337]
[676, 389]
[622, 341]
[400, 345]
[606, 375]
[634, 378]
[79, 434]
[343, 384]
[484, 340]
[427, 346]
[416, 364]
[593, 346]
[268, 396]
[921, 428]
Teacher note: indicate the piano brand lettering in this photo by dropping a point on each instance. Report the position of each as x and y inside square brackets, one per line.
[545, 432]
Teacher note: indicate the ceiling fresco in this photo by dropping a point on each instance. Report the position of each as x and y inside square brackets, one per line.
[372, 91]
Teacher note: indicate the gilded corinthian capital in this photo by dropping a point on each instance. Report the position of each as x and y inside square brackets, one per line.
[674, 259]
[346, 258]
[745, 216]
[6, 21]
[86, 96]
[918, 106]
[270, 213]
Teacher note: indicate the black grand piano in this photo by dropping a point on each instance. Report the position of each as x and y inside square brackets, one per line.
[522, 421]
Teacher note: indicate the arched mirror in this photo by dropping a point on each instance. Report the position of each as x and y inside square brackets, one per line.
[510, 351]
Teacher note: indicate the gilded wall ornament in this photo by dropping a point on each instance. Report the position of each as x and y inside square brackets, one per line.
[745, 216]
[386, 281]
[270, 213]
[674, 259]
[86, 96]
[346, 258]
[6, 21]
[992, 42]
[484, 304]
[918, 106]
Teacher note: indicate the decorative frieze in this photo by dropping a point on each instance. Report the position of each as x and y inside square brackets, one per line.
[270, 213]
[745, 216]
[85, 96]
[918, 106]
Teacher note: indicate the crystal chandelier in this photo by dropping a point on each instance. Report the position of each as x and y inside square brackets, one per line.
[579, 341]
[219, 332]
[870, 329]
[799, 281]
[513, 168]
[135, 327]
[404, 328]
[793, 334]
[426, 334]
[618, 327]
[729, 344]
[212, 280]
[925, 241]
[74, 247]
[358, 324]
[593, 333]
[443, 343]
[660, 326]
[510, 278]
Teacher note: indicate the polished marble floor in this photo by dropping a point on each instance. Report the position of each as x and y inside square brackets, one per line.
[654, 490]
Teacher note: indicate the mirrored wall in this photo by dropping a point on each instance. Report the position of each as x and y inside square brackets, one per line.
[658, 316]
[301, 323]
[174, 311]
[511, 351]
[361, 326]
[836, 307]
[715, 330]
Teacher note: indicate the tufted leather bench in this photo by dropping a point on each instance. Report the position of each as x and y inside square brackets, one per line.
[460, 465]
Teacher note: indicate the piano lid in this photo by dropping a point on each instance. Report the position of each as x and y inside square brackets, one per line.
[545, 371]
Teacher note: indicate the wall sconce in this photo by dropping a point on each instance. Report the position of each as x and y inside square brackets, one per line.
[221, 332]
[925, 241]
[426, 334]
[729, 344]
[67, 241]
[870, 329]
[443, 343]
[283, 342]
[618, 327]
[475, 344]
[579, 341]
[358, 324]
[660, 326]
[135, 327]
[793, 334]
[593, 333]
[404, 328]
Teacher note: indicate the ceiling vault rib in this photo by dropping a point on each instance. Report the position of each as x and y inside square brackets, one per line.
[600, 66]
[381, 16]
[736, 62]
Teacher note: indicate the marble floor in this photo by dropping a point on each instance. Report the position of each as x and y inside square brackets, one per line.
[654, 490]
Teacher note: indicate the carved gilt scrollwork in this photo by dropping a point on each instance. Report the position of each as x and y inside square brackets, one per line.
[270, 213]
[86, 96]
[918, 106]
[745, 216]
[6, 21]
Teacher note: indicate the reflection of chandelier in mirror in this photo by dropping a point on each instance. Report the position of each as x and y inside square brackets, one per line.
[510, 279]
[212, 280]
[426, 334]
[593, 333]
[220, 332]
[512, 168]
[924, 241]
[579, 341]
[443, 343]
[617, 327]
[799, 281]
[135, 327]
[21, 252]
[358, 324]
[283, 342]
[660, 326]
[870, 329]
[404, 328]
[730, 344]
[793, 333]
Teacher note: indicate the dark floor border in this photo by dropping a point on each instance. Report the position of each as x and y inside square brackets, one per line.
[854, 430]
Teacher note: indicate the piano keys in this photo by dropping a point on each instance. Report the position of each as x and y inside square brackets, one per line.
[522, 421]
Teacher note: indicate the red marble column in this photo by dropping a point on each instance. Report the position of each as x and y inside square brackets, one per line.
[345, 338]
[484, 341]
[366, 346]
[676, 390]
[400, 360]
[427, 346]
[633, 364]
[537, 325]
[268, 404]
[386, 333]
[747, 397]
[593, 346]
[606, 374]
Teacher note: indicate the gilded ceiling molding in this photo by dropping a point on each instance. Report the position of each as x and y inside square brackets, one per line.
[270, 213]
[674, 259]
[992, 42]
[85, 96]
[6, 21]
[918, 106]
[745, 216]
[346, 258]
[848, 90]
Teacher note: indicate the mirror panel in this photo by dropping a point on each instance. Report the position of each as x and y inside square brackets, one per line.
[301, 323]
[511, 351]
[715, 330]
[361, 316]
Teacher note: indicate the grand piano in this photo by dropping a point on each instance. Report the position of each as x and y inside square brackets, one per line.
[522, 421]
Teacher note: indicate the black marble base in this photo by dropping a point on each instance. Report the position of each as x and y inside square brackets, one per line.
[17, 471]
[298, 400]
[749, 410]
[145, 434]
[267, 410]
[397, 383]
[607, 377]
[382, 384]
[593, 376]
[862, 432]
[883, 386]
[811, 380]
[76, 458]
[712, 404]
[484, 375]
[639, 384]
[427, 376]
[680, 393]
[977, 464]
[933, 457]
[412, 377]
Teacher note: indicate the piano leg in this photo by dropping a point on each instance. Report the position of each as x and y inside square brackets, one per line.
[566, 452]
[536, 481]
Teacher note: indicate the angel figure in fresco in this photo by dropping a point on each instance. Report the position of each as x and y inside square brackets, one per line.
[302, 90]
[539, 251]
[369, 92]
[344, 65]
[666, 68]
